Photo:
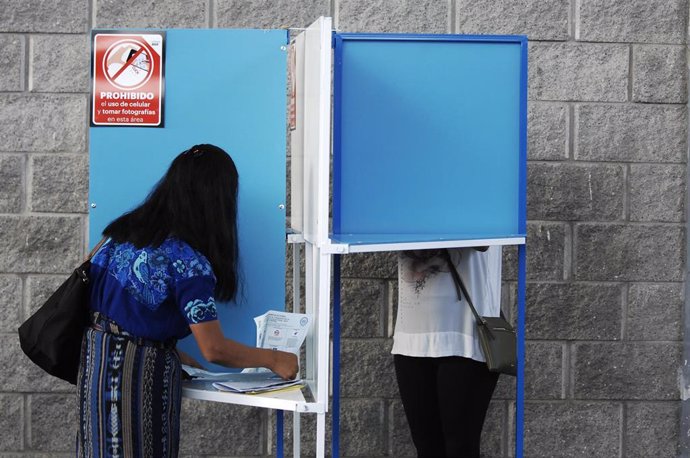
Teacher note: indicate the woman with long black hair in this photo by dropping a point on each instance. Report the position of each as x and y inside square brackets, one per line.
[155, 280]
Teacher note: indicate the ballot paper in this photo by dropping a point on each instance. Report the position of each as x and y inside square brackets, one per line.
[280, 331]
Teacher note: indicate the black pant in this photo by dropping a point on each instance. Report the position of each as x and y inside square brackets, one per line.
[445, 401]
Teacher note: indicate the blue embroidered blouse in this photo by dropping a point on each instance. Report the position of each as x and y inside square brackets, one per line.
[154, 293]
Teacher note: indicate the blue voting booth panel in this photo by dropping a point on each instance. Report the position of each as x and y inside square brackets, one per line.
[429, 137]
[225, 87]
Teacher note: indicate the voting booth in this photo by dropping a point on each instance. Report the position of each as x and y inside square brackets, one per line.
[428, 151]
[397, 142]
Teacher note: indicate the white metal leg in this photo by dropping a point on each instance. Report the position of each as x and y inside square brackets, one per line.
[296, 435]
[296, 307]
[323, 345]
[311, 309]
[320, 435]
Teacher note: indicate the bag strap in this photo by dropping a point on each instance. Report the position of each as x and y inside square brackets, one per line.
[459, 285]
[96, 248]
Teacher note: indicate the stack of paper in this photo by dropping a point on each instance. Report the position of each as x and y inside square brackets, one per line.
[255, 383]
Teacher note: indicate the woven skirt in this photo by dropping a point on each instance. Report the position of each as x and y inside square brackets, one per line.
[129, 395]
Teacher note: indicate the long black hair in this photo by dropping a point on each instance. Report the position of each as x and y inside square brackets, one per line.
[195, 201]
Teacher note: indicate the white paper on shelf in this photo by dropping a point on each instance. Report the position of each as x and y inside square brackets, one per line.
[254, 383]
[203, 374]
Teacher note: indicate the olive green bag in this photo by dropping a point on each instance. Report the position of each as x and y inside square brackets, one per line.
[496, 336]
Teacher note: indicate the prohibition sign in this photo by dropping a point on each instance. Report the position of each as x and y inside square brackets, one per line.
[127, 78]
[128, 64]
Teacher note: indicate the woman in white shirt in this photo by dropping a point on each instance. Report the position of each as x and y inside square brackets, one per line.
[444, 383]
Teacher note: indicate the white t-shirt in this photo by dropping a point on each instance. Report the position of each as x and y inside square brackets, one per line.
[431, 322]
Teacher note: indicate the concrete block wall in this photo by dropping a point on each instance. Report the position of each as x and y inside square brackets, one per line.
[606, 233]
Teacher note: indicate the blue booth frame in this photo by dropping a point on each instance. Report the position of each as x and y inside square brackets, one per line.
[522, 219]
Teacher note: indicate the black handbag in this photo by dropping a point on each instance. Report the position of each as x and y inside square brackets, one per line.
[52, 336]
[496, 336]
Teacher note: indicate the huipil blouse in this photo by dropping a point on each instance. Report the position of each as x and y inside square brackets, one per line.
[153, 292]
[431, 322]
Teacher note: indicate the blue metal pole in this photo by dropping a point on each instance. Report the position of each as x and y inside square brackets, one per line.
[279, 434]
[520, 405]
[336, 357]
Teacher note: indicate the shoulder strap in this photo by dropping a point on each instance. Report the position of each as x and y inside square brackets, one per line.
[459, 285]
[96, 248]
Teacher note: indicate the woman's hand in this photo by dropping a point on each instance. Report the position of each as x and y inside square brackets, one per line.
[188, 360]
[285, 364]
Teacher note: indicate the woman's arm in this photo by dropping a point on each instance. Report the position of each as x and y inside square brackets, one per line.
[219, 350]
[188, 360]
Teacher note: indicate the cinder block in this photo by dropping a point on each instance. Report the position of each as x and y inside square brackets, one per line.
[60, 183]
[578, 71]
[652, 429]
[641, 21]
[659, 74]
[424, 16]
[12, 179]
[362, 427]
[544, 370]
[575, 192]
[631, 133]
[538, 19]
[370, 265]
[47, 434]
[11, 422]
[362, 308]
[505, 388]
[42, 122]
[20, 375]
[70, 16]
[11, 315]
[655, 311]
[400, 439]
[367, 368]
[574, 311]
[40, 289]
[12, 62]
[545, 256]
[59, 63]
[269, 14]
[635, 370]
[620, 252]
[547, 125]
[657, 192]
[36, 455]
[119, 14]
[560, 430]
[213, 428]
[40, 244]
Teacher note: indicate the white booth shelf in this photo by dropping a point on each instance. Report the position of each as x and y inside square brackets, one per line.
[294, 400]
